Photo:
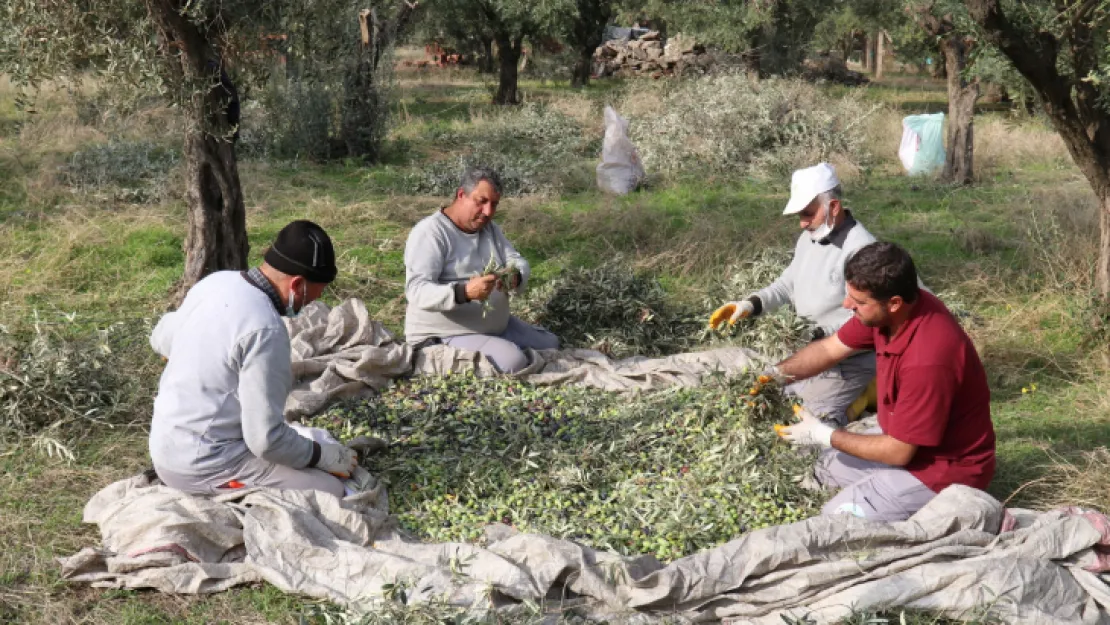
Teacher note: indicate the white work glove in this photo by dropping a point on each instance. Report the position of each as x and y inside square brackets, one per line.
[732, 311]
[339, 460]
[808, 431]
[774, 373]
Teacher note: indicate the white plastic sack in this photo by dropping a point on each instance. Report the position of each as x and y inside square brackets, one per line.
[922, 149]
[620, 169]
[907, 151]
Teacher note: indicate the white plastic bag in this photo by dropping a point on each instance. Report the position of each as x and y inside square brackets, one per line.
[620, 170]
[922, 149]
[907, 151]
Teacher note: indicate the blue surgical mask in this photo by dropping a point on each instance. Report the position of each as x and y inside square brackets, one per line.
[291, 310]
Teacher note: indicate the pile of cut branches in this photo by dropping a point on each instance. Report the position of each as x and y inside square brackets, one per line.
[667, 473]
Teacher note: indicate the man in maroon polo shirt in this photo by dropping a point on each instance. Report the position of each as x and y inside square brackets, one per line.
[934, 404]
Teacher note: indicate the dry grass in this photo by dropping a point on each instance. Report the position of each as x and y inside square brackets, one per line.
[582, 109]
[1082, 480]
[1008, 144]
[882, 134]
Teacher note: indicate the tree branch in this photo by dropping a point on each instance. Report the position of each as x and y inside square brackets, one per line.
[1080, 122]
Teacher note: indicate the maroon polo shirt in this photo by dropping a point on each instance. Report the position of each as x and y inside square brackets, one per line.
[932, 393]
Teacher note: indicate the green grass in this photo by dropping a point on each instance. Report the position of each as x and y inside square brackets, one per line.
[81, 262]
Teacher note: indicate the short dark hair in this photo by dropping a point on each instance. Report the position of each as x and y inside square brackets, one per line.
[883, 270]
[475, 174]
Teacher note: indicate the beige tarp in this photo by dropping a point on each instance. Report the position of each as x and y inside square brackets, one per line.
[959, 554]
[341, 352]
[951, 557]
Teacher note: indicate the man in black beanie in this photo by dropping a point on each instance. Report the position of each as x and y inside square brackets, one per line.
[218, 417]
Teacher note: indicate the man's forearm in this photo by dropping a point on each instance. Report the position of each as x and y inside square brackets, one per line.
[874, 447]
[428, 294]
[813, 359]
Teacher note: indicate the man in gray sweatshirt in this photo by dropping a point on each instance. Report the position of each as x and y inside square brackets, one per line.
[219, 413]
[449, 298]
[814, 284]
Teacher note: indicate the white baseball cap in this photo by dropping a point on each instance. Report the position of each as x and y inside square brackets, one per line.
[807, 183]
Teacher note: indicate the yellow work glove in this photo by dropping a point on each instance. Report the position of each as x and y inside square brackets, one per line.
[732, 311]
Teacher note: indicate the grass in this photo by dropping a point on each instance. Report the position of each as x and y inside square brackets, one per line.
[1014, 249]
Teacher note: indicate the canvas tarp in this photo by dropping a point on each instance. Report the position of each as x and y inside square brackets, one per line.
[342, 351]
[961, 554]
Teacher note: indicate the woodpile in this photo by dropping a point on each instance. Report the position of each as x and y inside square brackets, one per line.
[649, 55]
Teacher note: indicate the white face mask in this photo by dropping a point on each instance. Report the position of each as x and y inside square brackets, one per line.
[825, 229]
[291, 310]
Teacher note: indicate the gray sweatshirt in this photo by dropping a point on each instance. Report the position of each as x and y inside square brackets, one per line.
[222, 395]
[814, 280]
[438, 255]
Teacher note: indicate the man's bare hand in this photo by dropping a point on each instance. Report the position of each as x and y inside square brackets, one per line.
[478, 288]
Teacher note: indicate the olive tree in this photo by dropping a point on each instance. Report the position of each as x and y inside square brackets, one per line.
[585, 30]
[1063, 50]
[181, 50]
[947, 23]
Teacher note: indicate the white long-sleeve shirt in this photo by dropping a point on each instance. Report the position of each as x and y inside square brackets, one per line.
[222, 394]
[814, 281]
[438, 255]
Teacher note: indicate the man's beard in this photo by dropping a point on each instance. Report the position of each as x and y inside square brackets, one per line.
[882, 321]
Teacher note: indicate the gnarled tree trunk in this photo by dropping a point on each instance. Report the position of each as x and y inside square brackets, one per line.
[216, 238]
[217, 234]
[1068, 99]
[508, 56]
[958, 162]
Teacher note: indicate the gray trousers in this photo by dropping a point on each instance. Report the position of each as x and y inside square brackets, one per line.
[870, 490]
[829, 394]
[505, 350]
[254, 471]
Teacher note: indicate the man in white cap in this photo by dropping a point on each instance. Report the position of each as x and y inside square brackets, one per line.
[813, 284]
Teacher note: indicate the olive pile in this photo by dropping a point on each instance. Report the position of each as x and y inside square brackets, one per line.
[666, 473]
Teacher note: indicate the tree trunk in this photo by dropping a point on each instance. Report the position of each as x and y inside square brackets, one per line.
[217, 232]
[485, 61]
[583, 67]
[958, 162]
[1102, 277]
[847, 45]
[508, 56]
[866, 60]
[937, 70]
[360, 117]
[217, 235]
[363, 110]
[879, 40]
